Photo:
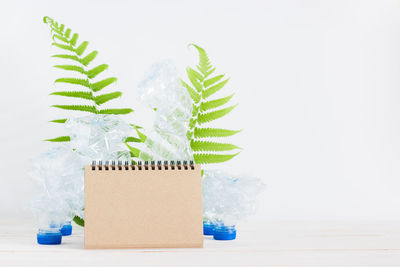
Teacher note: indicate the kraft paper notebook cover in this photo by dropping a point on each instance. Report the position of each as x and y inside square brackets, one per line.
[143, 206]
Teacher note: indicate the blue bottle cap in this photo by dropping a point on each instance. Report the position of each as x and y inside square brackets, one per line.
[66, 229]
[208, 228]
[222, 232]
[49, 238]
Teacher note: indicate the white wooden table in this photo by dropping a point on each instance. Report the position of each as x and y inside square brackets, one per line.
[267, 243]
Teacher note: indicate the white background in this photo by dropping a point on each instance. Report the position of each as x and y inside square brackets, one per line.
[317, 84]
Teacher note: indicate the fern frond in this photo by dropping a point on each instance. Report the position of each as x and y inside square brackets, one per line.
[77, 81]
[131, 139]
[212, 90]
[201, 87]
[89, 58]
[101, 99]
[56, 31]
[203, 158]
[204, 64]
[47, 19]
[135, 152]
[61, 38]
[215, 103]
[76, 94]
[91, 109]
[65, 56]
[213, 115]
[65, 47]
[81, 48]
[141, 135]
[103, 83]
[59, 139]
[59, 121]
[116, 111]
[193, 94]
[71, 68]
[213, 132]
[74, 39]
[67, 33]
[211, 146]
[210, 72]
[96, 71]
[193, 79]
[63, 41]
[79, 221]
[213, 80]
[195, 74]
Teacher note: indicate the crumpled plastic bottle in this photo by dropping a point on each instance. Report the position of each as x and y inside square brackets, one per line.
[227, 199]
[99, 137]
[162, 91]
[59, 172]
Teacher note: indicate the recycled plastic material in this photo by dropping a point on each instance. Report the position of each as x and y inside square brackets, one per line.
[229, 198]
[162, 91]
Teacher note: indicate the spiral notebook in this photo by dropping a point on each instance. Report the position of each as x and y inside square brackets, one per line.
[150, 205]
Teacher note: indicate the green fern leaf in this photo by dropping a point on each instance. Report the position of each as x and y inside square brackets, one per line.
[103, 83]
[211, 146]
[74, 39]
[101, 99]
[79, 221]
[131, 139]
[141, 135]
[193, 79]
[203, 158]
[56, 31]
[59, 121]
[61, 38]
[81, 48]
[204, 64]
[65, 47]
[72, 57]
[47, 19]
[59, 139]
[210, 72]
[204, 111]
[67, 33]
[89, 58]
[212, 90]
[213, 80]
[215, 103]
[196, 75]
[213, 132]
[97, 70]
[135, 151]
[193, 94]
[71, 68]
[117, 111]
[91, 109]
[62, 26]
[213, 115]
[82, 82]
[76, 94]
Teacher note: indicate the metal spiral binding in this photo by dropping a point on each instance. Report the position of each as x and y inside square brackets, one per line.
[119, 165]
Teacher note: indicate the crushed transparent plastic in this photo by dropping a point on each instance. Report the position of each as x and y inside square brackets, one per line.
[59, 172]
[99, 137]
[228, 198]
[162, 91]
